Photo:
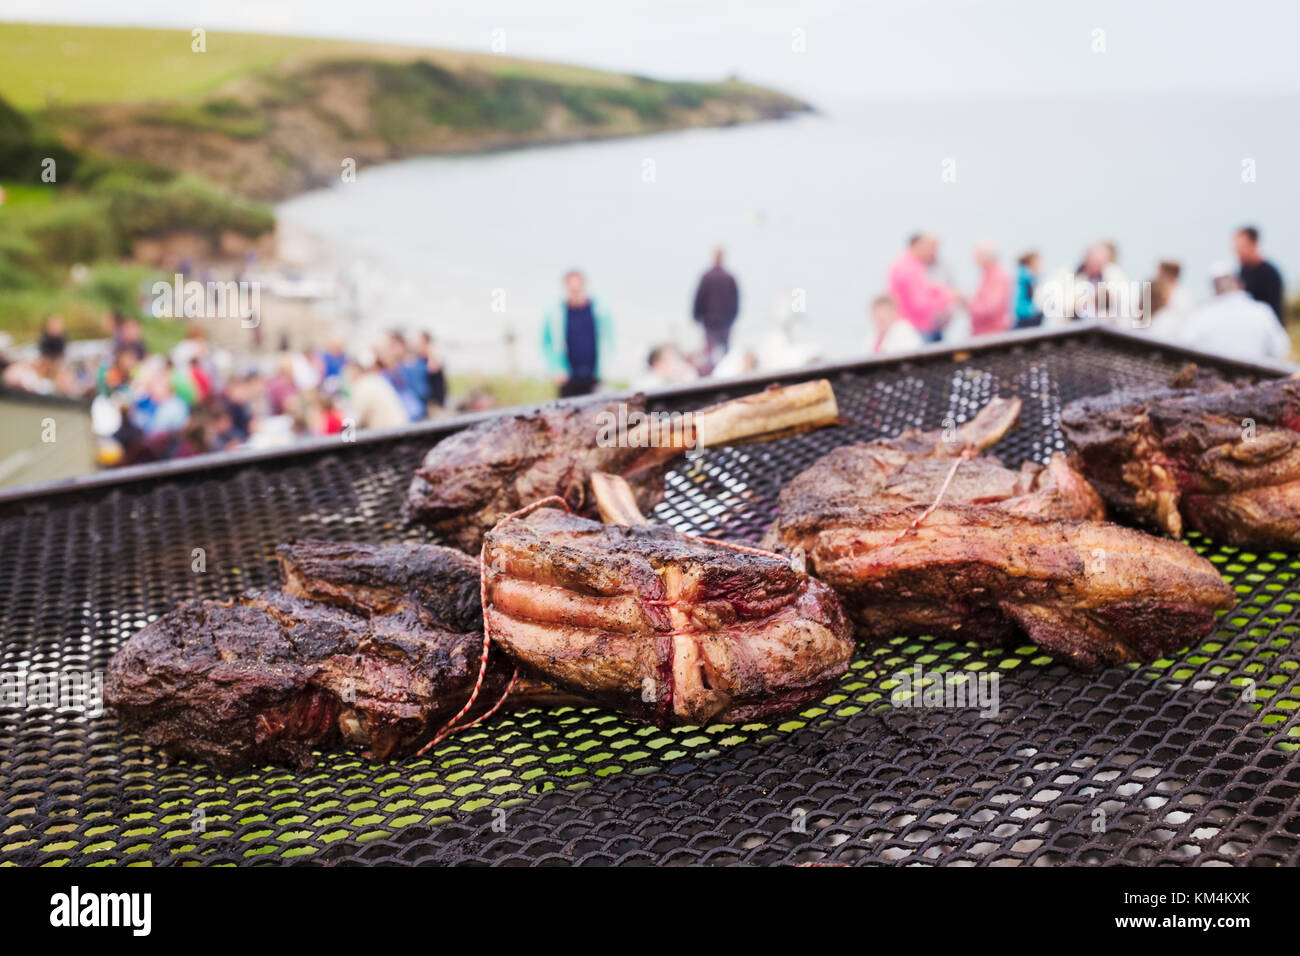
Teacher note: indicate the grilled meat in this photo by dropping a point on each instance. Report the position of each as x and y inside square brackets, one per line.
[1219, 458]
[270, 677]
[1091, 592]
[441, 583]
[1003, 551]
[662, 626]
[371, 648]
[469, 480]
[891, 474]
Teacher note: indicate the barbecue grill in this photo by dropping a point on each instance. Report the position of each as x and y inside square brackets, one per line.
[1188, 760]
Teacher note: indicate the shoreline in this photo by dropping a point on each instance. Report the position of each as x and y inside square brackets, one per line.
[180, 166]
[298, 247]
[511, 143]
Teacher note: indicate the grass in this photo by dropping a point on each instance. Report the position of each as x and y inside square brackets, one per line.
[20, 194]
[69, 224]
[507, 391]
[83, 304]
[411, 96]
[161, 335]
[228, 117]
[45, 64]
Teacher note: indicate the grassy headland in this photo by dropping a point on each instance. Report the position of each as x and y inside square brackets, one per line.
[150, 138]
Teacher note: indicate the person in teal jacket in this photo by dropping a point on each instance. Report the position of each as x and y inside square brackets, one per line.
[1024, 314]
[577, 339]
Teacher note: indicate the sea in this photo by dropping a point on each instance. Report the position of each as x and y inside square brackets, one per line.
[810, 211]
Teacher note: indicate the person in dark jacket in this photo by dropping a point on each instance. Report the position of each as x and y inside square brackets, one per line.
[436, 381]
[717, 303]
[577, 338]
[1259, 276]
[54, 341]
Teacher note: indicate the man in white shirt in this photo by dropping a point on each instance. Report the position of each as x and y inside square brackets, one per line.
[373, 399]
[890, 332]
[1233, 324]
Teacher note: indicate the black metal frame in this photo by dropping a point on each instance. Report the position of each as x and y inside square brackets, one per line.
[440, 427]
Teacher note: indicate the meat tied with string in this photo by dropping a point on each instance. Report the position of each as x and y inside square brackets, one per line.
[1216, 457]
[662, 626]
[371, 648]
[919, 537]
[471, 479]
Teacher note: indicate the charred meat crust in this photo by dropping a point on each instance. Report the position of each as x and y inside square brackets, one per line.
[1217, 458]
[369, 647]
[667, 628]
[469, 480]
[379, 579]
[890, 474]
[870, 479]
[271, 677]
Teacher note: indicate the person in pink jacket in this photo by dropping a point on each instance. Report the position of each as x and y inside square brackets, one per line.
[922, 302]
[990, 307]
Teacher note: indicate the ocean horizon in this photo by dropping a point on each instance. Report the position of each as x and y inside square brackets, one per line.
[811, 211]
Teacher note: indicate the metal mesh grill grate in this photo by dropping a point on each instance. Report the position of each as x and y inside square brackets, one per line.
[1167, 762]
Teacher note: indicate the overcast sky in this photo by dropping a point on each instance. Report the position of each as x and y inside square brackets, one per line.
[853, 49]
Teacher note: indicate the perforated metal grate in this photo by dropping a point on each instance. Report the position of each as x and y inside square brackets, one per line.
[1167, 762]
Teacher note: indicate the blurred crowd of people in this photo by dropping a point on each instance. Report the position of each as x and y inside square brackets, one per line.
[198, 398]
[148, 406]
[1242, 315]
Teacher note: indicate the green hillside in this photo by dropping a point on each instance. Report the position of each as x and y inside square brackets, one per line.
[151, 138]
[47, 64]
[267, 116]
[43, 65]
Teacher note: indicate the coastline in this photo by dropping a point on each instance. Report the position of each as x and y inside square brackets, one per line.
[163, 169]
